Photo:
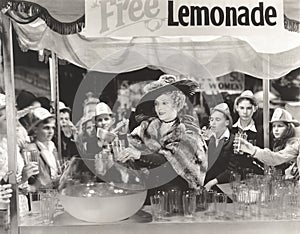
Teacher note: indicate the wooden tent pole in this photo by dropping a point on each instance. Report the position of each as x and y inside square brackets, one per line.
[8, 70]
[266, 102]
[266, 105]
[53, 66]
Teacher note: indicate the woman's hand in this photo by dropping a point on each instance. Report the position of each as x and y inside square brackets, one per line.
[210, 184]
[5, 193]
[127, 154]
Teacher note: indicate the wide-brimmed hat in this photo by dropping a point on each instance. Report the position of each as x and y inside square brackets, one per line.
[165, 83]
[36, 116]
[63, 107]
[102, 108]
[283, 115]
[25, 99]
[247, 94]
[168, 83]
[223, 108]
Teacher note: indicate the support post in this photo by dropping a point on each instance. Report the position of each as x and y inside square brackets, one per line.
[8, 70]
[53, 66]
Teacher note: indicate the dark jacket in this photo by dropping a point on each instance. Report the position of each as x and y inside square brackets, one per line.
[244, 163]
[223, 164]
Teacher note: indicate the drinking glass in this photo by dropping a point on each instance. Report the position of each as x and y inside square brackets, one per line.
[221, 205]
[189, 203]
[201, 204]
[31, 157]
[48, 201]
[158, 206]
[211, 203]
[237, 144]
[174, 202]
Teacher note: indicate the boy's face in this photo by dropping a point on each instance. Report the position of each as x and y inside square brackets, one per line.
[104, 121]
[45, 131]
[245, 110]
[218, 122]
[64, 119]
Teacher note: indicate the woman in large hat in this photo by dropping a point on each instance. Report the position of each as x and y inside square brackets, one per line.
[167, 144]
[286, 145]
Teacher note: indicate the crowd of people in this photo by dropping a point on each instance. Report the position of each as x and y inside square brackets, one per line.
[166, 147]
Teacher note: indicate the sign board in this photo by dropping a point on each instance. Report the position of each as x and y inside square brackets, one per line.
[233, 83]
[127, 18]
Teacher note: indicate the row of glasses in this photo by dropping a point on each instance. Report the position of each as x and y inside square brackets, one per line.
[174, 202]
[190, 204]
[265, 197]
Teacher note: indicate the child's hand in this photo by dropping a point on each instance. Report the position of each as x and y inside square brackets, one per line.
[5, 193]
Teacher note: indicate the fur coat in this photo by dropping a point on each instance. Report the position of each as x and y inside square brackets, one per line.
[182, 146]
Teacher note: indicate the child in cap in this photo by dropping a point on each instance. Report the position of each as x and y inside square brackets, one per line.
[68, 132]
[220, 146]
[286, 145]
[109, 142]
[104, 121]
[246, 106]
[42, 130]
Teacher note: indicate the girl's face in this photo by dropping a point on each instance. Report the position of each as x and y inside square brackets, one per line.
[165, 108]
[218, 122]
[45, 131]
[90, 128]
[105, 121]
[278, 129]
[245, 110]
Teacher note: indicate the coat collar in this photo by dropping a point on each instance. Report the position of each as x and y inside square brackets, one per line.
[250, 127]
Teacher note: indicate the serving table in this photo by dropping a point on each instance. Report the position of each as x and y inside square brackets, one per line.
[141, 222]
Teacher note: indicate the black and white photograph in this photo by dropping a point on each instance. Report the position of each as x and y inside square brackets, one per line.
[149, 116]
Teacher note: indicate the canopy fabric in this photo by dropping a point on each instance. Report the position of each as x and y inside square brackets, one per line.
[218, 55]
[270, 56]
[71, 10]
